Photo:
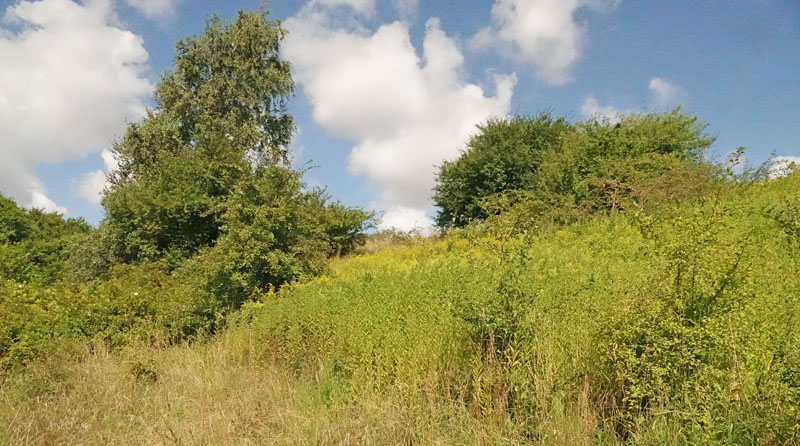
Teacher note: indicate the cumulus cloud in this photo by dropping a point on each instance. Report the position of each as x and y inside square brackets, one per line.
[542, 33]
[40, 201]
[91, 186]
[782, 166]
[155, 9]
[404, 112]
[592, 109]
[665, 93]
[93, 183]
[406, 219]
[109, 160]
[70, 79]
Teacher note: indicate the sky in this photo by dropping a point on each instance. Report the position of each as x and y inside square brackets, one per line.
[388, 89]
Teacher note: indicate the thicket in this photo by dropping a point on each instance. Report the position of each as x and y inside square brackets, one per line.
[34, 245]
[676, 326]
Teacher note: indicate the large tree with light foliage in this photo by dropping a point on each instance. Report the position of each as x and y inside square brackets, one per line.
[205, 172]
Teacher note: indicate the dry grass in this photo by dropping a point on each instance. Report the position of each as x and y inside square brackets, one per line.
[205, 394]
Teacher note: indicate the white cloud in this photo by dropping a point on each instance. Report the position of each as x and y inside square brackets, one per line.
[405, 113]
[91, 186]
[782, 165]
[155, 9]
[665, 93]
[40, 201]
[93, 183]
[542, 33]
[109, 160]
[406, 219]
[70, 79]
[591, 109]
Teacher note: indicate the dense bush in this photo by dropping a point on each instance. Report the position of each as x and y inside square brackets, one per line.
[34, 243]
[503, 157]
[274, 233]
[142, 303]
[537, 169]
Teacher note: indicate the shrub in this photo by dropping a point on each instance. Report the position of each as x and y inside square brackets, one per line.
[547, 170]
[34, 244]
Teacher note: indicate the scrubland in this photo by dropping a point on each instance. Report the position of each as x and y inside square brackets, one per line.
[675, 326]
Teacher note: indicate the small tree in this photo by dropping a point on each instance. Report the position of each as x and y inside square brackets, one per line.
[203, 177]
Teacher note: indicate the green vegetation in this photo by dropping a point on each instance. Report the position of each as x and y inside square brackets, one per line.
[598, 283]
[672, 327]
[536, 169]
[201, 215]
[34, 245]
[219, 126]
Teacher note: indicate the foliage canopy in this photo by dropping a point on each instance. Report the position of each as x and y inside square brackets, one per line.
[34, 244]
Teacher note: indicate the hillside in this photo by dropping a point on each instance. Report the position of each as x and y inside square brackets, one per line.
[673, 326]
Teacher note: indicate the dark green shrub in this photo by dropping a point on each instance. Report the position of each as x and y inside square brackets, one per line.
[503, 156]
[526, 171]
[34, 244]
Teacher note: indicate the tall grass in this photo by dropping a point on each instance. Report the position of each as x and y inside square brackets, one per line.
[206, 394]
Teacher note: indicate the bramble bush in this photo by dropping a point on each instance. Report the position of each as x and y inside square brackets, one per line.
[34, 244]
[141, 303]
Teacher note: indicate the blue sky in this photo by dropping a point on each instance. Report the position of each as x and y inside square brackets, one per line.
[389, 88]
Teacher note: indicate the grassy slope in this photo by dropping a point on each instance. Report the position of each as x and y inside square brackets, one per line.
[661, 329]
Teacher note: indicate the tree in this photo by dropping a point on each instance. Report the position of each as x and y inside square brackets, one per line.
[202, 183]
[220, 116]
